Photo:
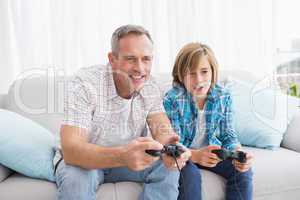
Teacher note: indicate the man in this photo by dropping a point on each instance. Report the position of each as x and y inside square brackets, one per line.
[107, 111]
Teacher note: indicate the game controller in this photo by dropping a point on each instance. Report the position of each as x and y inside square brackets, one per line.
[170, 150]
[224, 154]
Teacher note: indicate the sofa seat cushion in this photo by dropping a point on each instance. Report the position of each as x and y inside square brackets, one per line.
[276, 176]
[276, 173]
[4, 172]
[18, 187]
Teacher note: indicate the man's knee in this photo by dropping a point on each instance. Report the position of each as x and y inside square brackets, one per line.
[72, 180]
[159, 173]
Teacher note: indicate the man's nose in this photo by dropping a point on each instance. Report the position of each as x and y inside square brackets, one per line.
[138, 66]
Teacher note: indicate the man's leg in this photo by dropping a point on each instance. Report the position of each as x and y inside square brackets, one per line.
[159, 182]
[77, 183]
[190, 182]
[239, 185]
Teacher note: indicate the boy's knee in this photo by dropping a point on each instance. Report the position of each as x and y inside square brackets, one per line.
[191, 170]
[248, 175]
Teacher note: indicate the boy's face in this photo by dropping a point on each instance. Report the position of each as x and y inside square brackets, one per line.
[198, 81]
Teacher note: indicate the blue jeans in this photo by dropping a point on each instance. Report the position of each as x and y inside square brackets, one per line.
[238, 187]
[81, 184]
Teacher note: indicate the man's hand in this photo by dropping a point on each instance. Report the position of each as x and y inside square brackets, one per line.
[134, 155]
[170, 162]
[243, 167]
[205, 157]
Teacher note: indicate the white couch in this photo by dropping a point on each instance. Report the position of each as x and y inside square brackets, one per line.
[276, 173]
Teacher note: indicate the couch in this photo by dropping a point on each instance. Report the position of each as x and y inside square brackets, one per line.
[276, 172]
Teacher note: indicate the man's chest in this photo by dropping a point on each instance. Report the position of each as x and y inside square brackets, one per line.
[119, 119]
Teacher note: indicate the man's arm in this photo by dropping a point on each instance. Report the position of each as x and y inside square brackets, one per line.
[162, 131]
[161, 128]
[77, 151]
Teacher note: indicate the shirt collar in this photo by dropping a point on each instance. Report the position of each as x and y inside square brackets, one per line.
[112, 91]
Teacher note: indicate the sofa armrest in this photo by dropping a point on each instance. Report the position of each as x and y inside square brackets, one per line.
[291, 138]
[4, 173]
[2, 99]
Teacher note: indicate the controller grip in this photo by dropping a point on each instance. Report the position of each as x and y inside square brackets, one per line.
[155, 153]
[221, 153]
[242, 157]
[173, 150]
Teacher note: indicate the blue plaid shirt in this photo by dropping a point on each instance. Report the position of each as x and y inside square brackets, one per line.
[183, 114]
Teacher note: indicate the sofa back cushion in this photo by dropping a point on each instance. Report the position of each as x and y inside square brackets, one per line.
[292, 135]
[38, 98]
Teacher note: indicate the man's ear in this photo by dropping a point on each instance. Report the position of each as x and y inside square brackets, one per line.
[111, 59]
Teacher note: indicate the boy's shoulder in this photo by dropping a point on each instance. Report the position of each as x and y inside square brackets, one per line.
[176, 92]
[220, 91]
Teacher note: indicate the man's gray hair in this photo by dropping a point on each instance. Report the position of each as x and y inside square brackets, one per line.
[124, 31]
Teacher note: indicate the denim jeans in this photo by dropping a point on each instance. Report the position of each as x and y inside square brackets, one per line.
[238, 187]
[81, 184]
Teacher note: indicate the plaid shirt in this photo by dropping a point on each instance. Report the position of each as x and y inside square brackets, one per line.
[183, 114]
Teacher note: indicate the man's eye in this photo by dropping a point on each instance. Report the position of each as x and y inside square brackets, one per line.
[204, 72]
[147, 59]
[131, 59]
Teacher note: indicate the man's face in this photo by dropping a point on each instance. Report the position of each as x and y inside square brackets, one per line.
[132, 64]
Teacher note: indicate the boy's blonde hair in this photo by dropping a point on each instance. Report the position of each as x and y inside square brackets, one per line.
[188, 59]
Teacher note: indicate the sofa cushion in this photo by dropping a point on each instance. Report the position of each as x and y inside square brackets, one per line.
[276, 177]
[213, 186]
[4, 173]
[258, 123]
[25, 146]
[2, 100]
[276, 173]
[18, 187]
[39, 98]
[292, 136]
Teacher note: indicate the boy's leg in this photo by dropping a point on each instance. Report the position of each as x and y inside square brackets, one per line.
[77, 183]
[190, 182]
[159, 182]
[239, 185]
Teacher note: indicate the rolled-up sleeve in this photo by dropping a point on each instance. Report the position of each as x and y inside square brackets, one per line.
[79, 103]
[228, 134]
[173, 116]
